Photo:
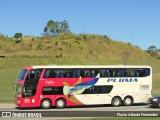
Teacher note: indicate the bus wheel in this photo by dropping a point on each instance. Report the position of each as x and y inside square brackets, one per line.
[60, 103]
[116, 101]
[46, 104]
[128, 101]
[158, 105]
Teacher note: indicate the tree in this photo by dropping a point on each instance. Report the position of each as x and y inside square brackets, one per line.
[17, 36]
[55, 27]
[152, 50]
[64, 27]
[51, 28]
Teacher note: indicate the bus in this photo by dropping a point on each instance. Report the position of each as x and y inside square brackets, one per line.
[78, 85]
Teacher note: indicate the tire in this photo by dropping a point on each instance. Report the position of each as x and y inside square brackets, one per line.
[60, 103]
[116, 101]
[128, 101]
[46, 104]
[157, 105]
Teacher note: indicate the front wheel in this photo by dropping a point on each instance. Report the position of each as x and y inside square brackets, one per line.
[128, 101]
[46, 104]
[60, 103]
[116, 101]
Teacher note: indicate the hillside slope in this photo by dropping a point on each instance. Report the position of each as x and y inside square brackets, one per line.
[70, 46]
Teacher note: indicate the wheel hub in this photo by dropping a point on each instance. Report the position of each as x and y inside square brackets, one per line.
[46, 104]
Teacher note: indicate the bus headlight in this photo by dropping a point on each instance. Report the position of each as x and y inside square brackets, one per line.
[155, 99]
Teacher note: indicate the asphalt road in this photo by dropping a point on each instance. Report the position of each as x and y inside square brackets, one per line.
[135, 107]
[72, 112]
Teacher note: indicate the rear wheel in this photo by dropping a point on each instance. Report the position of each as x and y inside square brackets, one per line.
[116, 101]
[128, 101]
[60, 103]
[46, 104]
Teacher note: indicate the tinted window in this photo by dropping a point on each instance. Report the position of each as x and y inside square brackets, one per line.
[47, 91]
[98, 89]
[125, 72]
[22, 74]
[76, 73]
[68, 73]
[34, 74]
[87, 73]
[50, 73]
[52, 90]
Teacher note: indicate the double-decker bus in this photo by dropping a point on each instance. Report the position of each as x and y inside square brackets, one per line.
[61, 86]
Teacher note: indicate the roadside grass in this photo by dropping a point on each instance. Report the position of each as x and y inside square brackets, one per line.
[10, 68]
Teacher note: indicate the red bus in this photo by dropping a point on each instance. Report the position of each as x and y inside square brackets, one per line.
[61, 86]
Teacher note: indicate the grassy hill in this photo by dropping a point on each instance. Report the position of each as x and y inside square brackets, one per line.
[71, 46]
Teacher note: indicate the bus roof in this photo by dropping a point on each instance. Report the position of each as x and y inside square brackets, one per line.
[88, 66]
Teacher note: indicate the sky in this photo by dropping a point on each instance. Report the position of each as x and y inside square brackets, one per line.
[131, 21]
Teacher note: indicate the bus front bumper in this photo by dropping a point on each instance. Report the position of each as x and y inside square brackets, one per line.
[26, 103]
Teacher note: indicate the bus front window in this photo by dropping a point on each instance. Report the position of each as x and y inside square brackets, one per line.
[22, 74]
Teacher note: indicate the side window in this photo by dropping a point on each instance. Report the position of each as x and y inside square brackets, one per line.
[49, 73]
[76, 73]
[129, 72]
[143, 72]
[53, 73]
[135, 72]
[68, 73]
[139, 72]
[108, 74]
[99, 89]
[58, 90]
[93, 73]
[109, 88]
[31, 75]
[147, 71]
[103, 89]
[103, 73]
[87, 73]
[47, 91]
[90, 90]
[52, 90]
[82, 73]
[113, 72]
[57, 74]
[34, 74]
[132, 72]
[61, 74]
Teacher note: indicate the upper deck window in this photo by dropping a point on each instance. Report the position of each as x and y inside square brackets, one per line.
[93, 72]
[22, 74]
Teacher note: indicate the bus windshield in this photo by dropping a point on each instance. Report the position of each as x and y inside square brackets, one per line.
[22, 74]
